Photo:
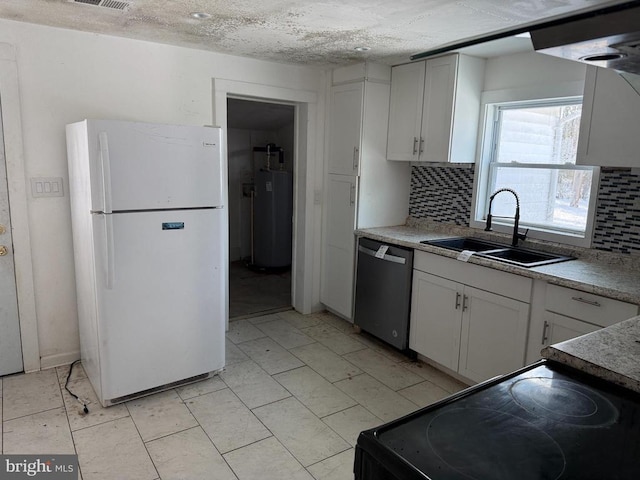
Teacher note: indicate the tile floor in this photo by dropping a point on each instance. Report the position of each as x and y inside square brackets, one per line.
[252, 293]
[290, 403]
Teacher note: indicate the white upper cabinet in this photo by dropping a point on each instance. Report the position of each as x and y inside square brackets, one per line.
[435, 107]
[405, 114]
[610, 126]
[345, 128]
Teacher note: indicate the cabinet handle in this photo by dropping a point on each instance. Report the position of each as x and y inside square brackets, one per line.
[457, 300]
[588, 302]
[421, 145]
[352, 195]
[415, 145]
[464, 302]
[355, 158]
[544, 332]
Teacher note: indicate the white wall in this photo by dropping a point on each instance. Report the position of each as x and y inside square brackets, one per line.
[66, 76]
[526, 70]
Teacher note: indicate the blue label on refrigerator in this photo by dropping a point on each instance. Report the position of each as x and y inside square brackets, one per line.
[172, 225]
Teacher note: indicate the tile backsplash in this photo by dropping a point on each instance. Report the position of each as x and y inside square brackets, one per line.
[443, 194]
[617, 223]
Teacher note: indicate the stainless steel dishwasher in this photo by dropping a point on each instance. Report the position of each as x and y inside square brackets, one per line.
[383, 291]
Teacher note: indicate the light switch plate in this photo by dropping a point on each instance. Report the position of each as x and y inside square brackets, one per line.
[46, 187]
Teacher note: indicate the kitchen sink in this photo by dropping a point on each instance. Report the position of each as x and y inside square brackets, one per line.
[465, 243]
[522, 257]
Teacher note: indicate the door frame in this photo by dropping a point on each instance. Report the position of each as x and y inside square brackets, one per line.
[17, 187]
[308, 169]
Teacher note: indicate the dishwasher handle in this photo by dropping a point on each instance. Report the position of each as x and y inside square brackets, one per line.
[386, 257]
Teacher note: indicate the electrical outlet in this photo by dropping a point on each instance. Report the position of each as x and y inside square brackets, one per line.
[46, 187]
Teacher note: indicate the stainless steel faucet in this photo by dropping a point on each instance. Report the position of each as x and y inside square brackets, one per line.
[516, 219]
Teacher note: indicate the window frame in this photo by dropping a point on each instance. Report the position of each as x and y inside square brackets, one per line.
[492, 102]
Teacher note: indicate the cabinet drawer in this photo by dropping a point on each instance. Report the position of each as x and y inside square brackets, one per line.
[588, 307]
[484, 278]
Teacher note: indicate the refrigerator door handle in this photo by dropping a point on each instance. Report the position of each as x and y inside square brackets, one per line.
[103, 140]
[109, 260]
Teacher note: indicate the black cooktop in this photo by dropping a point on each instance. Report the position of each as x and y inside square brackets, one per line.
[546, 421]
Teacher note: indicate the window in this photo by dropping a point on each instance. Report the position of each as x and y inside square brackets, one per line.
[531, 147]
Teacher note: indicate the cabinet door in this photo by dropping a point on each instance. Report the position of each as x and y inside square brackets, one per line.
[609, 127]
[494, 334]
[339, 241]
[558, 328]
[345, 126]
[437, 116]
[436, 308]
[405, 114]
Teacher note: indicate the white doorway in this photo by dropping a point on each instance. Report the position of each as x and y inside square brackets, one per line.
[10, 343]
[260, 142]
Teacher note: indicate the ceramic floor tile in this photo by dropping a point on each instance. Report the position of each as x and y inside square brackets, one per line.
[113, 450]
[266, 460]
[299, 320]
[31, 393]
[97, 413]
[316, 393]
[270, 356]
[285, 334]
[349, 423]
[379, 346]
[242, 331]
[41, 433]
[77, 373]
[160, 414]
[424, 393]
[202, 387]
[188, 455]
[226, 420]
[376, 397]
[333, 339]
[382, 368]
[233, 354]
[436, 376]
[263, 319]
[324, 361]
[336, 322]
[338, 467]
[300, 431]
[253, 385]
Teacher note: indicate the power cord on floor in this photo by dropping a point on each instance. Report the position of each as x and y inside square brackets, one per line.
[83, 403]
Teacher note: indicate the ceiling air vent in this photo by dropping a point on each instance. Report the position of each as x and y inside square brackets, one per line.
[114, 4]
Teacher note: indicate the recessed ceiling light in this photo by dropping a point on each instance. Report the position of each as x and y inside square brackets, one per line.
[200, 15]
[362, 49]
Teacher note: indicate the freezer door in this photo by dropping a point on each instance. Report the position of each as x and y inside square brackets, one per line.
[141, 166]
[162, 289]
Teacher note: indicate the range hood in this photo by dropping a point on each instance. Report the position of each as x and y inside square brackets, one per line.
[608, 38]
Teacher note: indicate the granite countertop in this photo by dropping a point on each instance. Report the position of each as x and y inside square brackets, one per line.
[600, 273]
[612, 353]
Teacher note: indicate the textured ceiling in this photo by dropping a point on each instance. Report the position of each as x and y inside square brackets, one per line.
[307, 32]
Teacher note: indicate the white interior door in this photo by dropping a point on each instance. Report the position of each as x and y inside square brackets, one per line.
[10, 346]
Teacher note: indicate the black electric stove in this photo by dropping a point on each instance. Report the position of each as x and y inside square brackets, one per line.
[546, 421]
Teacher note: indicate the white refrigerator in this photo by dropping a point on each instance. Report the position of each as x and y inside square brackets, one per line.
[150, 232]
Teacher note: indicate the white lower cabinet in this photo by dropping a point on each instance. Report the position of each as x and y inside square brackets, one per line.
[436, 319]
[563, 313]
[339, 254]
[472, 331]
[558, 328]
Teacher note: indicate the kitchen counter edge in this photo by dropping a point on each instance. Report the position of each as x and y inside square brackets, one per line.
[587, 275]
